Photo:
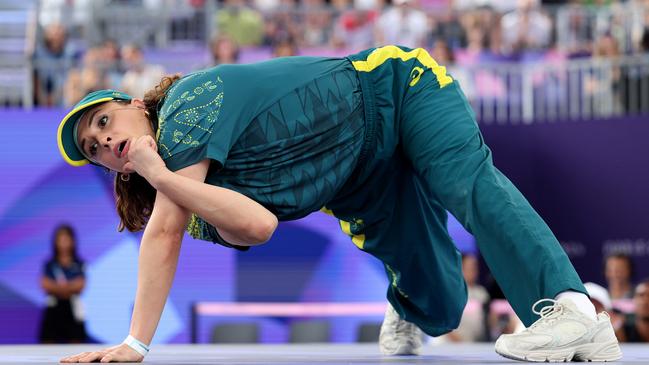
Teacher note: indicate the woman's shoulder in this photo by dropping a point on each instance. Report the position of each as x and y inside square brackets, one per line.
[193, 92]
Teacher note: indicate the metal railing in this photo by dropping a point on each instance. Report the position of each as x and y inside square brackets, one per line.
[561, 90]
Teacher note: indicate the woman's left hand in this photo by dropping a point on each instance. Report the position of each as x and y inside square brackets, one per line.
[143, 158]
[119, 353]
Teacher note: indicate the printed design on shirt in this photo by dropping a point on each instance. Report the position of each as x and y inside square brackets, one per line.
[309, 140]
[194, 113]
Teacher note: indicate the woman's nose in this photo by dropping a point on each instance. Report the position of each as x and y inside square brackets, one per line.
[107, 140]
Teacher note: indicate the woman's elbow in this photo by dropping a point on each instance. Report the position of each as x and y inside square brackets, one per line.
[263, 231]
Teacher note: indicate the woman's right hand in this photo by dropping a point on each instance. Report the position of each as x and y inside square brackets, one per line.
[119, 353]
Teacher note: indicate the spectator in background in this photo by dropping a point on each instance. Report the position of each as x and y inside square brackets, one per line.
[244, 24]
[619, 272]
[281, 22]
[602, 301]
[317, 24]
[445, 26]
[472, 326]
[636, 326]
[285, 47]
[52, 59]
[86, 78]
[140, 76]
[354, 28]
[224, 50]
[402, 24]
[63, 281]
[574, 30]
[526, 28]
[111, 62]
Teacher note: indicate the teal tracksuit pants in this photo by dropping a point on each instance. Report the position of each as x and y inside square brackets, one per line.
[424, 155]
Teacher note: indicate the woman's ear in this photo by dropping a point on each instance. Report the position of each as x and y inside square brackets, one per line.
[139, 103]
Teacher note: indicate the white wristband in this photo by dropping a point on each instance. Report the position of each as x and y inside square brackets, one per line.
[136, 345]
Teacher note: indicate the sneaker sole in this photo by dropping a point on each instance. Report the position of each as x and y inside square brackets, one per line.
[592, 352]
[402, 351]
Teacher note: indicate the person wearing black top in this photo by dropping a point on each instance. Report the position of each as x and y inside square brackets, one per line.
[63, 280]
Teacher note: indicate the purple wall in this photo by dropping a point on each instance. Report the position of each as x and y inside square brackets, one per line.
[589, 180]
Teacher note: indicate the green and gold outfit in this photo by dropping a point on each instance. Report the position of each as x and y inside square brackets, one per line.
[385, 141]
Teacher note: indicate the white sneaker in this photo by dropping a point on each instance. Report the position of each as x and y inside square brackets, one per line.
[563, 333]
[399, 337]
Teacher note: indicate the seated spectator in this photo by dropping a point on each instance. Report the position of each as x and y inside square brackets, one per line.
[244, 24]
[526, 28]
[224, 50]
[140, 76]
[52, 59]
[284, 47]
[317, 24]
[63, 281]
[472, 326]
[618, 270]
[636, 326]
[402, 24]
[446, 26]
[354, 28]
[602, 301]
[111, 63]
[86, 78]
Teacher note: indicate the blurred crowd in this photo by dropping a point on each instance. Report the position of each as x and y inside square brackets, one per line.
[458, 33]
[488, 315]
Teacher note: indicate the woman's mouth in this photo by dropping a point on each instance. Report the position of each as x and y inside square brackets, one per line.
[121, 149]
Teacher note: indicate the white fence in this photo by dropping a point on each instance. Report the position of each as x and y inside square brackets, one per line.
[559, 90]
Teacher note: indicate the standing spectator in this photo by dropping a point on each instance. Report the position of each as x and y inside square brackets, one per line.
[619, 271]
[63, 281]
[244, 24]
[224, 50]
[52, 59]
[636, 326]
[402, 24]
[140, 76]
[526, 28]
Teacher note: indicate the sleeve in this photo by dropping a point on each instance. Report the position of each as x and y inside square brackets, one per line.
[201, 230]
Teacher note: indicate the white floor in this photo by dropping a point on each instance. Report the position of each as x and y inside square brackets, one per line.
[291, 354]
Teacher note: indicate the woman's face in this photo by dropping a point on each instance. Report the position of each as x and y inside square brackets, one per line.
[617, 269]
[105, 132]
[63, 242]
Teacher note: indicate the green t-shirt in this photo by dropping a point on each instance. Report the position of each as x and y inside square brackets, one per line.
[286, 132]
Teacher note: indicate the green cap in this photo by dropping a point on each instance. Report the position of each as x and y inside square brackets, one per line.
[67, 133]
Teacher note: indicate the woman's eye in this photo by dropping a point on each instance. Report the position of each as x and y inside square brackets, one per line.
[93, 149]
[102, 121]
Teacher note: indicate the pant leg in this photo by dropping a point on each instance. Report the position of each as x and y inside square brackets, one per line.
[423, 265]
[440, 137]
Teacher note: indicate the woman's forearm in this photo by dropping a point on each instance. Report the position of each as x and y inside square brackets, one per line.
[245, 221]
[156, 269]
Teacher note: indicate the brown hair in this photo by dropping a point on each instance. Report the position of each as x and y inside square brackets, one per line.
[135, 197]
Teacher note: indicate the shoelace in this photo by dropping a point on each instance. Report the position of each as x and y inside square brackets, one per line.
[547, 312]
